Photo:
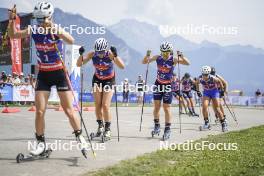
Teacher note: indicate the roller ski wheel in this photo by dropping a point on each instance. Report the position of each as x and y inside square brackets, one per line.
[102, 139]
[21, 158]
[205, 127]
[92, 136]
[224, 127]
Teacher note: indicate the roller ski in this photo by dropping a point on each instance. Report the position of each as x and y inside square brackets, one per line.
[98, 134]
[40, 152]
[224, 126]
[156, 130]
[21, 158]
[205, 127]
[166, 134]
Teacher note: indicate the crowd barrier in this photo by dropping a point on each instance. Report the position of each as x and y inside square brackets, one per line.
[27, 93]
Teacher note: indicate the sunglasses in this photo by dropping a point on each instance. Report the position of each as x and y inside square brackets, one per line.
[100, 52]
[40, 20]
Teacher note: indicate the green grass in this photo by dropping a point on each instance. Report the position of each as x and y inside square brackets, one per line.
[247, 160]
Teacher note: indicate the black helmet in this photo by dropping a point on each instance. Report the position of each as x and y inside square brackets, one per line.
[187, 75]
[213, 71]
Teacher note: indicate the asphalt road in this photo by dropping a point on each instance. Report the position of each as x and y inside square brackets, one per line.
[17, 130]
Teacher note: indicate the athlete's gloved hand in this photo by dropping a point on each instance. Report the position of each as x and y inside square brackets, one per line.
[113, 50]
[148, 53]
[199, 94]
[222, 93]
[179, 54]
[81, 50]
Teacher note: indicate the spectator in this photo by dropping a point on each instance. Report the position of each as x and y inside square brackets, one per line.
[3, 76]
[16, 80]
[258, 93]
[139, 86]
[9, 80]
[125, 92]
[21, 77]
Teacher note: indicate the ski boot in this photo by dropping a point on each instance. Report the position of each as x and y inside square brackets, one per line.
[166, 134]
[99, 133]
[194, 114]
[206, 126]
[156, 130]
[82, 141]
[224, 126]
[106, 135]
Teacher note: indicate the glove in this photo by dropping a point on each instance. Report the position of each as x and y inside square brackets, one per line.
[222, 93]
[148, 53]
[81, 50]
[199, 94]
[113, 50]
[179, 54]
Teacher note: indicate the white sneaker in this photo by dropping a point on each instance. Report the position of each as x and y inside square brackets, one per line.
[84, 144]
[39, 149]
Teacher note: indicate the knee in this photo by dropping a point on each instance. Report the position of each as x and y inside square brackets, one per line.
[105, 107]
[166, 108]
[40, 113]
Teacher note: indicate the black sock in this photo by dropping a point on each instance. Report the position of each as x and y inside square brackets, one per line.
[193, 110]
[206, 121]
[107, 126]
[100, 123]
[156, 122]
[167, 126]
[77, 132]
[40, 138]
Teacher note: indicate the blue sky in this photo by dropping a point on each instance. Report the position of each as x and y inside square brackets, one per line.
[247, 16]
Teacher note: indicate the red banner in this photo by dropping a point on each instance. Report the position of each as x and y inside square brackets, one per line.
[16, 50]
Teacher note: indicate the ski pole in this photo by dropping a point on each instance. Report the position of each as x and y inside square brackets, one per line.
[144, 94]
[179, 77]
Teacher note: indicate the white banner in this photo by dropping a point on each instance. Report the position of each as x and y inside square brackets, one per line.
[23, 93]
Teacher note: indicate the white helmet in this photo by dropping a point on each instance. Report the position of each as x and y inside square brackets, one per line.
[166, 46]
[43, 9]
[206, 70]
[126, 80]
[100, 44]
